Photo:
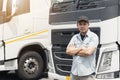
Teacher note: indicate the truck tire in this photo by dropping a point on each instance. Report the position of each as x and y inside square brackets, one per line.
[3, 72]
[30, 65]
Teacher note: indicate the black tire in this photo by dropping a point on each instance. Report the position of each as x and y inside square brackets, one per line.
[3, 72]
[30, 65]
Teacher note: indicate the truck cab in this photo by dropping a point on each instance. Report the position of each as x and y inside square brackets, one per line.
[104, 21]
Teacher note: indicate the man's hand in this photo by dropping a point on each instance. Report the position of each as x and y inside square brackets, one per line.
[72, 50]
[82, 52]
[86, 51]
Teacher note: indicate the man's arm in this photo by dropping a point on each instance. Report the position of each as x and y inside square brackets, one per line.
[91, 47]
[72, 50]
[86, 51]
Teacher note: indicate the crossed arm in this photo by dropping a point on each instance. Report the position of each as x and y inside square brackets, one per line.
[80, 51]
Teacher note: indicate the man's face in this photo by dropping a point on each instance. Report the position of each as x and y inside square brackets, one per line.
[83, 27]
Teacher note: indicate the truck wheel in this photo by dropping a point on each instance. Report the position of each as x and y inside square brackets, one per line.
[30, 65]
[3, 72]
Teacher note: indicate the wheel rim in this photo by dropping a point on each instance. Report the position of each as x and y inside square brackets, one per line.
[30, 65]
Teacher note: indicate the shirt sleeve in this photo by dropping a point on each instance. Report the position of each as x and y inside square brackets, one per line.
[94, 41]
[72, 41]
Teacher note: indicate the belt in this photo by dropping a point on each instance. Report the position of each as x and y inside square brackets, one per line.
[93, 73]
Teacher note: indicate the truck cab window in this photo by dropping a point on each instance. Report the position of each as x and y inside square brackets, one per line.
[62, 5]
[1, 12]
[15, 7]
[23, 6]
[72, 5]
[86, 4]
[1, 5]
[9, 8]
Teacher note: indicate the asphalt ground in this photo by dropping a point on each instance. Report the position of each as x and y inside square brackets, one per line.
[13, 76]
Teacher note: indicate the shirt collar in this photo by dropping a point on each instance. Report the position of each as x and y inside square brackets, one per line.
[88, 33]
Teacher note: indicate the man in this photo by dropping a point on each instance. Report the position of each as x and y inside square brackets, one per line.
[83, 48]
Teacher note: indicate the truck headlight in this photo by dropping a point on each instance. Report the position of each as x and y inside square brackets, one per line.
[105, 63]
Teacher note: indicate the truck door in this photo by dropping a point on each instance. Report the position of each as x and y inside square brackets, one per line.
[2, 14]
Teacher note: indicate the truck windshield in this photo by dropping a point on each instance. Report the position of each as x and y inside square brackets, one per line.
[71, 5]
[61, 5]
[61, 1]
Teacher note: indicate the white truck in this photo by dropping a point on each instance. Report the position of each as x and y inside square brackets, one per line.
[34, 35]
[24, 37]
[104, 16]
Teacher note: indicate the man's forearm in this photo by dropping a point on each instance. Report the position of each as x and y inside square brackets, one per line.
[73, 51]
[86, 51]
